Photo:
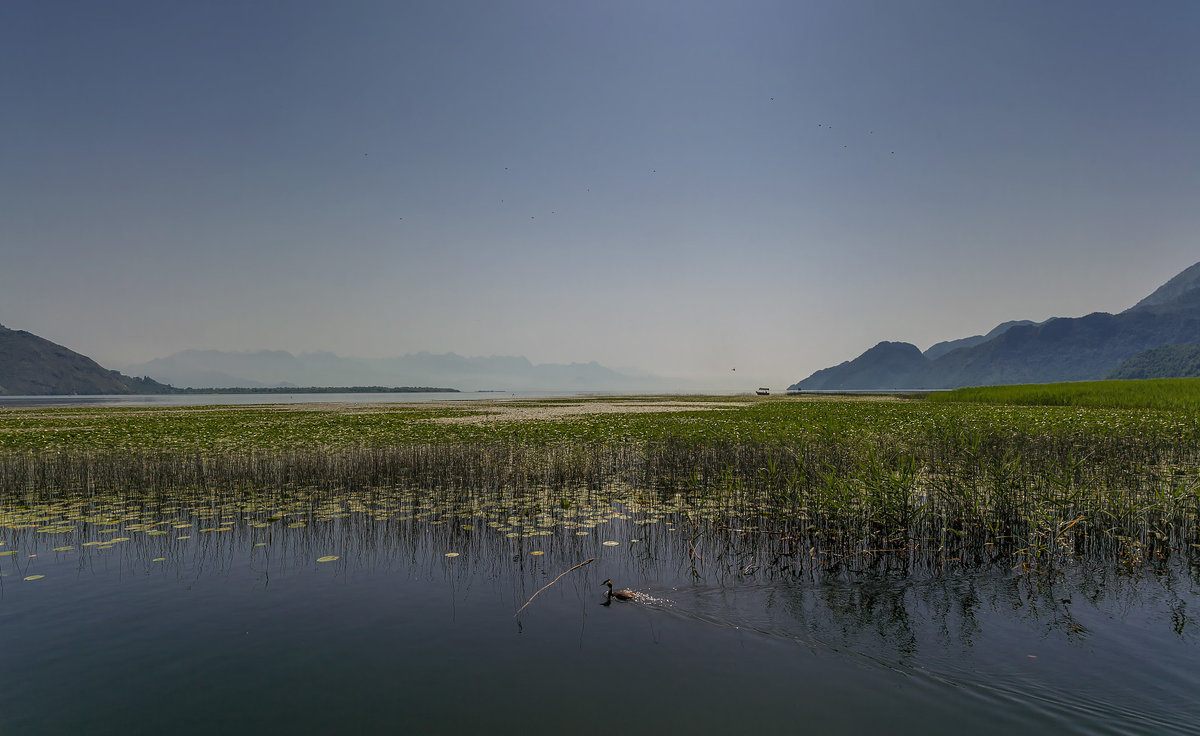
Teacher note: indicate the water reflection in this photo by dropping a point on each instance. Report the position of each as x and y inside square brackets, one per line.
[522, 538]
[1078, 648]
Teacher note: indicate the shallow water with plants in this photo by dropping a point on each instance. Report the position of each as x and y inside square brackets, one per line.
[847, 566]
[390, 610]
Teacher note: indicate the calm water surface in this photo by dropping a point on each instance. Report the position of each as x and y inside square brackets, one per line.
[193, 617]
[168, 400]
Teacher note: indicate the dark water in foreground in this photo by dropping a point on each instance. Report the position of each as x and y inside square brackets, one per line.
[232, 624]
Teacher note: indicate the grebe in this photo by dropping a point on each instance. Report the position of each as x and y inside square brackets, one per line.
[623, 595]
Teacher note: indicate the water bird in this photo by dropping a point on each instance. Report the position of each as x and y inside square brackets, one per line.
[621, 595]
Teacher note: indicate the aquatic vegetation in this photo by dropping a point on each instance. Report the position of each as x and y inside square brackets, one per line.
[824, 486]
[1182, 394]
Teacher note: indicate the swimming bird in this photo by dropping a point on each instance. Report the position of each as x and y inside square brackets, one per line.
[621, 595]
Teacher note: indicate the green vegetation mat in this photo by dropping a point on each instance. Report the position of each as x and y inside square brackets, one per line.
[842, 479]
[1175, 394]
[332, 427]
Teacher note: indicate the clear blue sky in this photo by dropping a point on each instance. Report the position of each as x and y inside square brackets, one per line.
[683, 187]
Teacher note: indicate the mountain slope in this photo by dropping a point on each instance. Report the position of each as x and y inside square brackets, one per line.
[939, 349]
[1165, 361]
[1187, 280]
[34, 366]
[887, 365]
[1060, 349]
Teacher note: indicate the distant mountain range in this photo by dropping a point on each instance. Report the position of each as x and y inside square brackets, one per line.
[33, 366]
[1059, 349]
[278, 368]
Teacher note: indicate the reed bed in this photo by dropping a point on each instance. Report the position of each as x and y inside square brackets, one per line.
[803, 487]
[1174, 394]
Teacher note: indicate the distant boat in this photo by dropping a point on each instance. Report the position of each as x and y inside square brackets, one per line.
[763, 391]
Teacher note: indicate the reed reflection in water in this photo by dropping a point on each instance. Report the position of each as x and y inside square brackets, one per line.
[394, 608]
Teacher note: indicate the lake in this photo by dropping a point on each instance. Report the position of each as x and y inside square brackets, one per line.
[392, 611]
[169, 400]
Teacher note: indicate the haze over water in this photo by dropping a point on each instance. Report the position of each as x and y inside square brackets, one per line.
[685, 188]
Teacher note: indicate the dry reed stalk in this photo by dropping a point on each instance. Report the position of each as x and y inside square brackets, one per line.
[552, 582]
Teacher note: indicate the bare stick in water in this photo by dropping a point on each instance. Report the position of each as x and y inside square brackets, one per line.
[552, 582]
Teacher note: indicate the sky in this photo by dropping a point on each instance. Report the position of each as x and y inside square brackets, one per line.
[684, 188]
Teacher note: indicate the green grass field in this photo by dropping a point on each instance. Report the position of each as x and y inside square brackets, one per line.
[1059, 410]
[1172, 394]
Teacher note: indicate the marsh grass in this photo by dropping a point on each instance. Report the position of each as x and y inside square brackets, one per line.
[1173, 394]
[791, 487]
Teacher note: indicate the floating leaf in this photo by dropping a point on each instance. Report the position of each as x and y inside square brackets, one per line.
[327, 558]
[452, 554]
[6, 554]
[537, 552]
[34, 577]
[159, 559]
[611, 543]
[260, 544]
[68, 548]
